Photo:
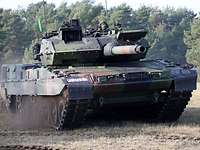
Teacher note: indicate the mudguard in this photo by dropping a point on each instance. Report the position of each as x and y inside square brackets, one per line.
[184, 79]
[80, 90]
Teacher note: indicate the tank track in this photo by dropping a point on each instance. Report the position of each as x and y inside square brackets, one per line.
[73, 114]
[22, 147]
[174, 105]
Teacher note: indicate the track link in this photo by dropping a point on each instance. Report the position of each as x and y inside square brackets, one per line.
[73, 114]
[174, 105]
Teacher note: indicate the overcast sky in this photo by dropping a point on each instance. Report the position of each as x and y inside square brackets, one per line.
[191, 4]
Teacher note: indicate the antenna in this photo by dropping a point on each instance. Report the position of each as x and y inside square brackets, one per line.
[106, 3]
[44, 14]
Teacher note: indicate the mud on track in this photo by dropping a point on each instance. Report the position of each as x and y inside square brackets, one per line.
[110, 134]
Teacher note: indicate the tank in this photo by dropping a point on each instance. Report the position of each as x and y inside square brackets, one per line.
[99, 70]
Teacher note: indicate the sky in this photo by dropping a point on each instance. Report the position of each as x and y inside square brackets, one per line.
[190, 4]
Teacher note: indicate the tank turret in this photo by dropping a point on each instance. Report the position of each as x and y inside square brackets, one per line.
[69, 46]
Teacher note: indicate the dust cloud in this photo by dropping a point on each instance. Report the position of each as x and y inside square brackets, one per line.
[34, 115]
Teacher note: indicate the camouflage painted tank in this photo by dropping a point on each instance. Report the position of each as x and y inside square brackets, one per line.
[101, 68]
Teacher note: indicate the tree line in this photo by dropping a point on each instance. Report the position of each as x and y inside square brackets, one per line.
[174, 34]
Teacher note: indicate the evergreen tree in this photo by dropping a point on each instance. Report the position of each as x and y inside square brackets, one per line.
[19, 29]
[192, 40]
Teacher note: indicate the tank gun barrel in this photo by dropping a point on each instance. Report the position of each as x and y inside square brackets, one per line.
[111, 50]
[133, 49]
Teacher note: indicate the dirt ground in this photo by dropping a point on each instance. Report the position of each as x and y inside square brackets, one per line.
[113, 135]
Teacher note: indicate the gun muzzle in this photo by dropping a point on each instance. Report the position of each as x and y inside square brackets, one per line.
[111, 50]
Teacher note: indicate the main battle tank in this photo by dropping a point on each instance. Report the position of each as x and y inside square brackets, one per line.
[77, 72]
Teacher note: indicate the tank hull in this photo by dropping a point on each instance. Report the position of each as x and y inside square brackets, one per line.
[72, 91]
